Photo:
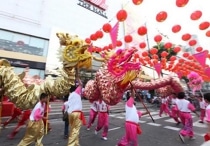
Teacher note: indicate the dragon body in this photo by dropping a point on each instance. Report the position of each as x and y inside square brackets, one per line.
[118, 74]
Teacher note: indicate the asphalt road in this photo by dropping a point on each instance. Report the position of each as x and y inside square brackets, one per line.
[163, 132]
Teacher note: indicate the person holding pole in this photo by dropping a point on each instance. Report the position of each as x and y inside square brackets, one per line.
[75, 115]
[132, 128]
[35, 127]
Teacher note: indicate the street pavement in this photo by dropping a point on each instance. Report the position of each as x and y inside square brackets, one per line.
[163, 132]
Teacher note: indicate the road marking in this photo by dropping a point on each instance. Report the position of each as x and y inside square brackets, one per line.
[157, 117]
[170, 120]
[114, 128]
[172, 128]
[120, 117]
[140, 121]
[200, 125]
[154, 124]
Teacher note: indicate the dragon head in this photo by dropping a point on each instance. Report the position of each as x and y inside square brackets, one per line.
[122, 67]
[73, 52]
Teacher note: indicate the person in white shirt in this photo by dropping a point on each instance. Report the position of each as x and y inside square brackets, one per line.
[76, 116]
[203, 106]
[35, 127]
[185, 108]
[132, 128]
[174, 110]
[93, 113]
[103, 118]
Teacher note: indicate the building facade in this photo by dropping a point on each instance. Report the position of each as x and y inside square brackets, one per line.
[26, 28]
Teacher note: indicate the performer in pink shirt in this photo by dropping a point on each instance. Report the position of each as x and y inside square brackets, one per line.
[93, 113]
[132, 128]
[103, 118]
[207, 118]
[35, 127]
[185, 108]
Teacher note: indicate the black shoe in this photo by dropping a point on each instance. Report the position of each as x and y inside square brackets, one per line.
[201, 122]
[177, 124]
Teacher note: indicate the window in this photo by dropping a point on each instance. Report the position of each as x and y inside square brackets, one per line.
[15, 42]
[32, 72]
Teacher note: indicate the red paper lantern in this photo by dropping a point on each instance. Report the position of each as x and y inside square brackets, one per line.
[145, 53]
[121, 15]
[208, 33]
[204, 25]
[186, 54]
[190, 57]
[196, 15]
[186, 37]
[110, 46]
[155, 56]
[128, 38]
[168, 45]
[87, 40]
[199, 49]
[119, 43]
[158, 38]
[93, 37]
[192, 42]
[99, 34]
[176, 28]
[164, 54]
[137, 2]
[105, 48]
[161, 16]
[142, 45]
[176, 49]
[173, 58]
[107, 28]
[153, 51]
[142, 30]
[181, 3]
[181, 60]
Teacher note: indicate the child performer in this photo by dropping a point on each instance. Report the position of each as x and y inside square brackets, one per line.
[103, 119]
[24, 118]
[202, 109]
[93, 114]
[76, 116]
[35, 127]
[65, 118]
[185, 107]
[207, 118]
[164, 106]
[132, 128]
[174, 110]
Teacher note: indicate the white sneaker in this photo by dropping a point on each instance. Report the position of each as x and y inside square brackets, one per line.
[88, 129]
[96, 132]
[181, 137]
[104, 138]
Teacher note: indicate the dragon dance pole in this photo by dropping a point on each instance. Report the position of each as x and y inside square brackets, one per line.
[142, 102]
[47, 115]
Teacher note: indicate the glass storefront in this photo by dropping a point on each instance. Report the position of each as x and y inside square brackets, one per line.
[11, 41]
[32, 72]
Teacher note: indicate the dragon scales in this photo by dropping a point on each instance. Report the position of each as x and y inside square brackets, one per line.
[113, 79]
[72, 54]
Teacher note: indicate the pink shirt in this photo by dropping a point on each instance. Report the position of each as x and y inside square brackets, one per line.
[38, 112]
